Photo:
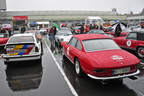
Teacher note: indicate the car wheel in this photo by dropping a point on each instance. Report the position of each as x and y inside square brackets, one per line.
[41, 49]
[6, 63]
[117, 81]
[140, 52]
[39, 60]
[78, 68]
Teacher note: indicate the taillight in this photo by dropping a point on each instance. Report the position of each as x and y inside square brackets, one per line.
[36, 49]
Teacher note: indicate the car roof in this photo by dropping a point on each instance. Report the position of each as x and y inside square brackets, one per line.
[24, 34]
[91, 36]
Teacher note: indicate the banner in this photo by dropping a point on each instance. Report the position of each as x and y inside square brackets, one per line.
[20, 18]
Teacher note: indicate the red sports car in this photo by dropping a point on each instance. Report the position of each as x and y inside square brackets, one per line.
[134, 41]
[4, 36]
[123, 33]
[99, 57]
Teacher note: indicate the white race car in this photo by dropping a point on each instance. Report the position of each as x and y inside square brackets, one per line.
[63, 35]
[23, 47]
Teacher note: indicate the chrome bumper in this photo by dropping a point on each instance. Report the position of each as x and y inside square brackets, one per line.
[22, 58]
[114, 77]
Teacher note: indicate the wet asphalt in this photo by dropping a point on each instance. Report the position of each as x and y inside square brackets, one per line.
[86, 86]
[33, 78]
[45, 79]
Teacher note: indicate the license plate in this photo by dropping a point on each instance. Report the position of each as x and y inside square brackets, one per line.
[121, 71]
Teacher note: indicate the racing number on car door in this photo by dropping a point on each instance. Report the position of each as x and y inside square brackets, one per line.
[68, 51]
[131, 41]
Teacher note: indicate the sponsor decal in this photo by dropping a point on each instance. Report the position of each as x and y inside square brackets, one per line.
[68, 51]
[20, 50]
[116, 57]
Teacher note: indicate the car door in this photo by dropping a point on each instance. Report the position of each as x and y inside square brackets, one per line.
[130, 41]
[76, 51]
[71, 49]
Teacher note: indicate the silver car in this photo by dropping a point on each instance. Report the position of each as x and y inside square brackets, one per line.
[63, 35]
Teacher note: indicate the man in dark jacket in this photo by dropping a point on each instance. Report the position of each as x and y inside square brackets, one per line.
[82, 29]
[55, 30]
[118, 30]
[23, 29]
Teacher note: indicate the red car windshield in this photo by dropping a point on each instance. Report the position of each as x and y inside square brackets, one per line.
[99, 45]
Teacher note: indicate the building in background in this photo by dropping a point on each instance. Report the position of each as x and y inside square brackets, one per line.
[3, 5]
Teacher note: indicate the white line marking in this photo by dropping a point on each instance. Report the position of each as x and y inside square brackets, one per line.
[62, 72]
[141, 93]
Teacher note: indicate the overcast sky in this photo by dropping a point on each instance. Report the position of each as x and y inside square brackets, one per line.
[123, 6]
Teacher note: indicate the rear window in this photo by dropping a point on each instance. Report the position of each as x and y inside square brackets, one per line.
[64, 32]
[21, 39]
[99, 45]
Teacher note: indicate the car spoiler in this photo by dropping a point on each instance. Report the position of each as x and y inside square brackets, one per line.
[20, 43]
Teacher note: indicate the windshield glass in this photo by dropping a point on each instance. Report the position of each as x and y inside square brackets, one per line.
[97, 31]
[21, 39]
[99, 44]
[78, 27]
[64, 32]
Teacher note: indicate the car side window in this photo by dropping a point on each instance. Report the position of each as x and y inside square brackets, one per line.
[132, 36]
[73, 42]
[78, 45]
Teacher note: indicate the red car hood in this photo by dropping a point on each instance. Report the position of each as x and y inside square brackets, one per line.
[119, 38]
[112, 59]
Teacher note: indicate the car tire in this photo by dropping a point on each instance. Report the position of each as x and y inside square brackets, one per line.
[117, 81]
[39, 60]
[78, 68]
[7, 63]
[41, 49]
[140, 52]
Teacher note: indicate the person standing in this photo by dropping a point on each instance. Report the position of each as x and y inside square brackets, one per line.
[118, 30]
[55, 30]
[82, 29]
[23, 29]
[51, 38]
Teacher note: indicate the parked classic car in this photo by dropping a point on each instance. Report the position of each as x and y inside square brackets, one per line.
[99, 57]
[96, 31]
[63, 35]
[4, 36]
[43, 31]
[134, 41]
[22, 47]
